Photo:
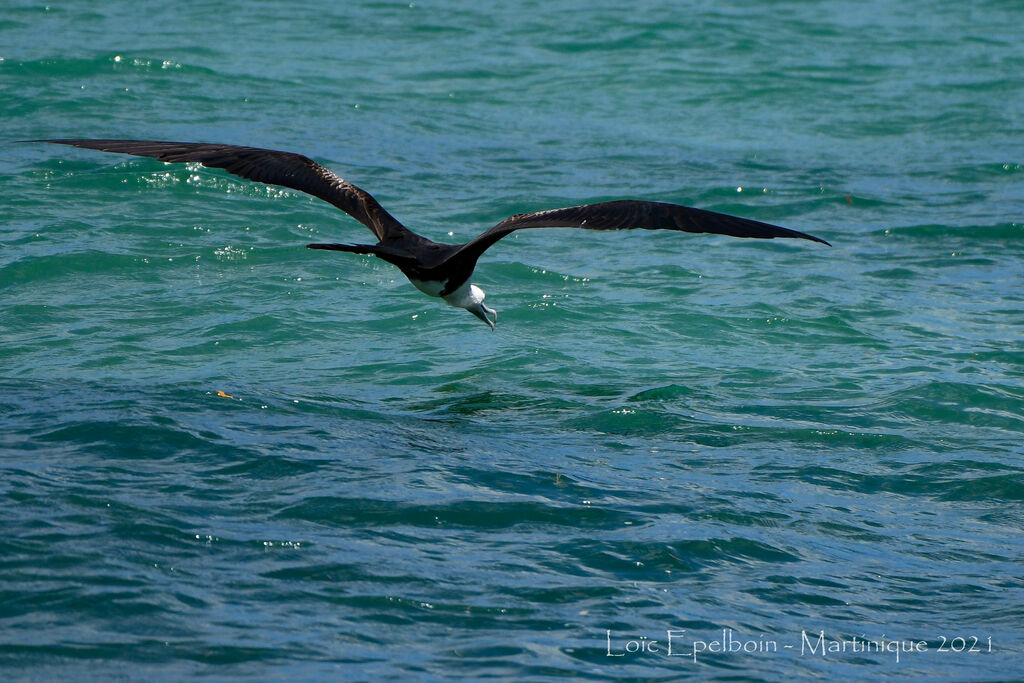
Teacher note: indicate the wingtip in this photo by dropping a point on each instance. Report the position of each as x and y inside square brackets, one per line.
[70, 142]
[810, 237]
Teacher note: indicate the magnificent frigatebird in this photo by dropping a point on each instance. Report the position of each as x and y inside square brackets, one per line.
[442, 270]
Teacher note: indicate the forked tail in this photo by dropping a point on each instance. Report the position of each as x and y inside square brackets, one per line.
[354, 248]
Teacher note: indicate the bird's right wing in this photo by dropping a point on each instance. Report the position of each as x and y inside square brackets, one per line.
[266, 166]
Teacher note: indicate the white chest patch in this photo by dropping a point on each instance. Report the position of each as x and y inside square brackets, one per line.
[466, 296]
[430, 287]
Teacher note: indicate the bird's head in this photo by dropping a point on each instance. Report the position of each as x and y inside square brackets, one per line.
[475, 305]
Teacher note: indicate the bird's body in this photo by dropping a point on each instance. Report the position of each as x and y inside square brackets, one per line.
[436, 269]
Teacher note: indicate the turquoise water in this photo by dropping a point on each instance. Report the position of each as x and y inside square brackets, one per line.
[225, 455]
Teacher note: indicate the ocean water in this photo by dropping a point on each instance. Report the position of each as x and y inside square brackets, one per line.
[223, 455]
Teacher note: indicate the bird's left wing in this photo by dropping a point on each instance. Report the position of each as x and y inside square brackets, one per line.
[632, 214]
[624, 214]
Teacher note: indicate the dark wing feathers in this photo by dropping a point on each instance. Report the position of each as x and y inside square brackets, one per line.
[302, 173]
[629, 214]
[626, 214]
[266, 166]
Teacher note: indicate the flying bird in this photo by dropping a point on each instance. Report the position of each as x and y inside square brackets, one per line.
[437, 269]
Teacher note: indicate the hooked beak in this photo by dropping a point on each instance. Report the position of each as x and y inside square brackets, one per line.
[482, 311]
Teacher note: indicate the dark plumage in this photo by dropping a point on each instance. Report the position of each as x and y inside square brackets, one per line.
[435, 268]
